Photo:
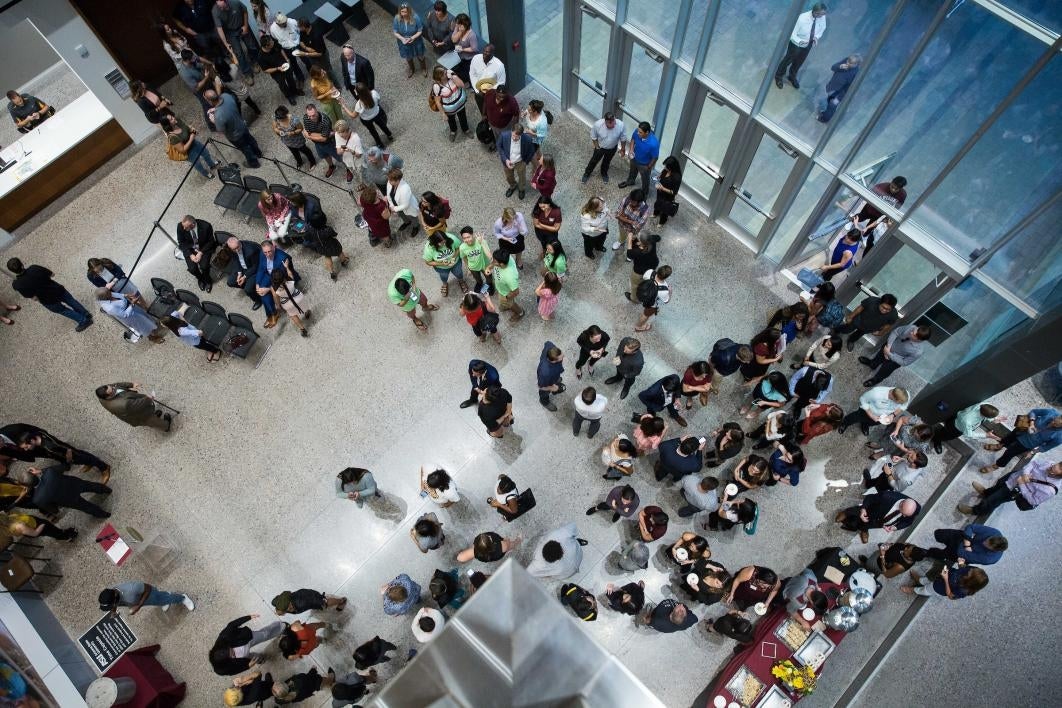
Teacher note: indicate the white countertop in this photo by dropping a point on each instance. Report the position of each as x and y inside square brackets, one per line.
[39, 655]
[47, 142]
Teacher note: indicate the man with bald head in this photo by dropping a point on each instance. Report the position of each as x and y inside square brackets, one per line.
[225, 113]
[888, 510]
[239, 259]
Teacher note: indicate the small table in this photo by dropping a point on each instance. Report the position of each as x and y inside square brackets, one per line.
[752, 657]
[155, 687]
[113, 544]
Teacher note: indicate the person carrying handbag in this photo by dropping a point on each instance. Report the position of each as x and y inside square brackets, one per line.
[288, 296]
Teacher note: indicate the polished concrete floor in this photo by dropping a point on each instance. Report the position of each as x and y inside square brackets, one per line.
[244, 483]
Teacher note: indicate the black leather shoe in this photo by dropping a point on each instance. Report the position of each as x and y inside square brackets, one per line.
[868, 383]
[613, 379]
[468, 404]
[257, 305]
[937, 447]
[792, 80]
[209, 286]
[510, 192]
[778, 82]
[865, 361]
[202, 286]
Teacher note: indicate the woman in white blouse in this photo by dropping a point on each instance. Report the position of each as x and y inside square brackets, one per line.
[400, 200]
[510, 230]
[438, 486]
[821, 353]
[594, 216]
[537, 125]
[369, 111]
[348, 145]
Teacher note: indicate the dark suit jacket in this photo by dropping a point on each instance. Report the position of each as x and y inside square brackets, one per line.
[505, 142]
[49, 485]
[654, 395]
[362, 72]
[207, 244]
[841, 80]
[280, 260]
[234, 635]
[878, 505]
[252, 254]
[50, 447]
[490, 376]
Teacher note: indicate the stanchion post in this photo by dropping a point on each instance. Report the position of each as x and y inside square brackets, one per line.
[171, 238]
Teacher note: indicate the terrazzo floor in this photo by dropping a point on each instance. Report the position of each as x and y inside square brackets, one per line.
[244, 483]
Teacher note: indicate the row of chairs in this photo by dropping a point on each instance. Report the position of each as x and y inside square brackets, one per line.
[240, 193]
[219, 328]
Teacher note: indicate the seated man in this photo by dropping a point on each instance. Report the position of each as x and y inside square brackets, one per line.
[195, 238]
[239, 260]
[272, 257]
[27, 111]
[888, 510]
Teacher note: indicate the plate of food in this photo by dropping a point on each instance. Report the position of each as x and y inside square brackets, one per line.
[792, 634]
[285, 66]
[745, 687]
[335, 93]
[775, 698]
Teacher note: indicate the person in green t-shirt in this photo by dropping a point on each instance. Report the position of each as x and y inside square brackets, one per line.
[507, 280]
[440, 252]
[403, 291]
[476, 255]
[555, 261]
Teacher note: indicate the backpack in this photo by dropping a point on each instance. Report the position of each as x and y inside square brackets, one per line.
[646, 292]
[483, 133]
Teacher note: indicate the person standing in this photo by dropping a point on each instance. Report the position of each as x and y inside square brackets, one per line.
[548, 294]
[643, 152]
[482, 376]
[516, 149]
[593, 346]
[282, 68]
[669, 616]
[312, 48]
[403, 291]
[376, 214]
[231, 22]
[476, 256]
[451, 97]
[1043, 435]
[506, 277]
[408, 31]
[904, 347]
[511, 229]
[231, 653]
[666, 393]
[607, 135]
[400, 595]
[376, 164]
[400, 201]
[496, 410]
[1028, 488]
[594, 224]
[35, 283]
[550, 368]
[700, 495]
[356, 69]
[969, 422]
[441, 253]
[888, 510]
[136, 594]
[348, 146]
[318, 128]
[438, 28]
[667, 187]
[357, 485]
[501, 111]
[878, 406]
[466, 44]
[485, 72]
[893, 194]
[807, 32]
[629, 362]
[658, 292]
[286, 32]
[844, 73]
[180, 139]
[876, 315]
[368, 110]
[195, 239]
[680, 457]
[589, 406]
[632, 214]
[227, 120]
[125, 402]
[559, 554]
[842, 257]
[54, 489]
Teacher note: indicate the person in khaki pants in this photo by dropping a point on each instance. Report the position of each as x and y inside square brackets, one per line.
[125, 402]
[507, 281]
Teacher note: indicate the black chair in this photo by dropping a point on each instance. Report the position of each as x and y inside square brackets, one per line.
[282, 189]
[193, 314]
[249, 204]
[215, 325]
[241, 325]
[232, 189]
[188, 297]
[165, 300]
[222, 236]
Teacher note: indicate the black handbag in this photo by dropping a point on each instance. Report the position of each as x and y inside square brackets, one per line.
[668, 208]
[525, 502]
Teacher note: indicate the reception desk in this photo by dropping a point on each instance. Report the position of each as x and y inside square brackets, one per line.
[55, 156]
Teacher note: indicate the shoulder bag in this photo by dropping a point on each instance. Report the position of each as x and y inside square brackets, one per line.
[175, 153]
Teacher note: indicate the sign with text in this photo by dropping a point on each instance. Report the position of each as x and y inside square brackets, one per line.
[107, 640]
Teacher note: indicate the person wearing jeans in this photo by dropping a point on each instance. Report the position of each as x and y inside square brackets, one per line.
[1044, 435]
[35, 282]
[230, 20]
[178, 133]
[607, 136]
[550, 368]
[589, 406]
[1029, 487]
[643, 153]
[138, 594]
[227, 119]
[903, 348]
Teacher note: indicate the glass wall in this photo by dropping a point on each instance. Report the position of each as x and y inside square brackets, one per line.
[963, 98]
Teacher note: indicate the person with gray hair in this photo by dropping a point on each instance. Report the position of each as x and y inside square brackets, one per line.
[375, 165]
[844, 73]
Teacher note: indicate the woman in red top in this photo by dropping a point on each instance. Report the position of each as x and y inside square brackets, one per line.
[544, 178]
[546, 218]
[697, 381]
[753, 584]
[300, 639]
[766, 350]
[374, 210]
[821, 418]
[652, 523]
[479, 311]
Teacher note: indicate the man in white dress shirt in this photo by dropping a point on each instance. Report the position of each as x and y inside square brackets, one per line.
[485, 66]
[806, 33]
[286, 32]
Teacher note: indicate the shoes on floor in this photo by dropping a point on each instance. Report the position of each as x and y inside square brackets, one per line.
[188, 603]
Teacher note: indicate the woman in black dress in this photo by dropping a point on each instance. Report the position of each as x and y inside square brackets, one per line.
[318, 234]
[667, 189]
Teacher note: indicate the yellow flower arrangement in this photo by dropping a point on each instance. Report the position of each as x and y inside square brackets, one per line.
[798, 679]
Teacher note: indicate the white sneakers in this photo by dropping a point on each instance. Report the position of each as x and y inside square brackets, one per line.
[616, 246]
[187, 602]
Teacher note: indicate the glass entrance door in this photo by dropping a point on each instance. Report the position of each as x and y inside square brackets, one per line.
[640, 84]
[591, 64]
[706, 154]
[754, 184]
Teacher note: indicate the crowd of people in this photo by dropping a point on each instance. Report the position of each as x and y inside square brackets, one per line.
[723, 475]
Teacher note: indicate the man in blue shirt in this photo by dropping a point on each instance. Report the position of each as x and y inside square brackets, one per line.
[550, 368]
[644, 151]
[482, 376]
[272, 258]
[975, 544]
[1044, 434]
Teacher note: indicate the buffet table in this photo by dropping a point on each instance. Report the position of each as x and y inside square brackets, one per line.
[766, 650]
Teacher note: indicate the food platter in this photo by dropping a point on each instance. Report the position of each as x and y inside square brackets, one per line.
[745, 687]
[792, 634]
[814, 651]
[775, 698]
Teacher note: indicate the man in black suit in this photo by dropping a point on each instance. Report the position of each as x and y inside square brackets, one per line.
[888, 510]
[195, 238]
[242, 267]
[356, 69]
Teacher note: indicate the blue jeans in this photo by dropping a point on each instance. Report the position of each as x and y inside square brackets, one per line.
[162, 598]
[458, 270]
[249, 147]
[197, 155]
[69, 307]
[245, 47]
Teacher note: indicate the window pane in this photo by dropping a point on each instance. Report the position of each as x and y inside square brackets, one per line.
[1046, 13]
[908, 31]
[1013, 168]
[746, 217]
[967, 68]
[715, 126]
[988, 318]
[850, 29]
[694, 31]
[544, 28]
[798, 213]
[698, 180]
[744, 36]
[655, 19]
[674, 110]
[1031, 263]
[906, 273]
[482, 30]
[594, 40]
[591, 101]
[643, 85]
